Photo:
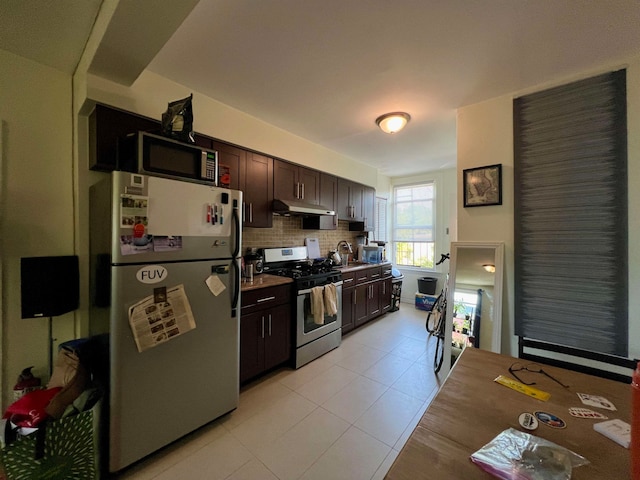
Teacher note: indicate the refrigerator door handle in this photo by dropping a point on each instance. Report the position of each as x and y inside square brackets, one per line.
[236, 290]
[236, 224]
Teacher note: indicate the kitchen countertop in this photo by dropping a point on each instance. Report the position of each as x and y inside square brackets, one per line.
[263, 280]
[353, 266]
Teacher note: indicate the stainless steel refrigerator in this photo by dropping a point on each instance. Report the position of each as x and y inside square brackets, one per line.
[165, 288]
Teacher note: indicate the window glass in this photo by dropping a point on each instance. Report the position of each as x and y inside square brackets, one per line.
[413, 225]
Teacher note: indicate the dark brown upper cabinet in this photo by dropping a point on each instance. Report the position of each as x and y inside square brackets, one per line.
[293, 182]
[256, 175]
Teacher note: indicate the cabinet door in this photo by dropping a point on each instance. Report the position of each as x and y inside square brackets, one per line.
[361, 303]
[385, 294]
[258, 191]
[348, 297]
[357, 201]
[329, 199]
[343, 209]
[286, 185]
[229, 160]
[251, 345]
[277, 346]
[310, 185]
[373, 300]
[369, 208]
[106, 126]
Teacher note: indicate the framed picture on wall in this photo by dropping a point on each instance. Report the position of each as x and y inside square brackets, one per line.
[482, 186]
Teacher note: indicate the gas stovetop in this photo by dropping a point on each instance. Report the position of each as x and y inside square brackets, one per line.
[292, 262]
[305, 274]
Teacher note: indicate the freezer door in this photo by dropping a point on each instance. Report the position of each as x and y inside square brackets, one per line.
[181, 220]
[184, 381]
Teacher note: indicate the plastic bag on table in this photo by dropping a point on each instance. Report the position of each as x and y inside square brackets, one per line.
[515, 455]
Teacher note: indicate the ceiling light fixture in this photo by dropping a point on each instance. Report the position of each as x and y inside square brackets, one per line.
[489, 268]
[393, 122]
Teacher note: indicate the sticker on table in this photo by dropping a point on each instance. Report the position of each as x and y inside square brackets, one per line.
[528, 421]
[550, 419]
[586, 413]
[596, 401]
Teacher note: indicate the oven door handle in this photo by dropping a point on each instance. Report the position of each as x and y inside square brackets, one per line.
[308, 290]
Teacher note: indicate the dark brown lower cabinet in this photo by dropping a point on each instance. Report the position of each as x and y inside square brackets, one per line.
[385, 294]
[369, 298]
[265, 333]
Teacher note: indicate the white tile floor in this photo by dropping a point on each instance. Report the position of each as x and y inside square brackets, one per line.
[344, 416]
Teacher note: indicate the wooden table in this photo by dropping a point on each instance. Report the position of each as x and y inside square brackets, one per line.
[471, 409]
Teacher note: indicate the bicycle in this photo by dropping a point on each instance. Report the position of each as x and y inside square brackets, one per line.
[437, 318]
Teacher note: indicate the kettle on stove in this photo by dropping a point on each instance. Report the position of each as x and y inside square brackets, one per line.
[334, 256]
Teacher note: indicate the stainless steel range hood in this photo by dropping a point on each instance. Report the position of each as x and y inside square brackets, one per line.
[293, 207]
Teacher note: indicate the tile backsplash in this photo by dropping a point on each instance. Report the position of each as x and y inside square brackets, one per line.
[288, 232]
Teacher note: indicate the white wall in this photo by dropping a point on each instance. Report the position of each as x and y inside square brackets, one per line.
[445, 183]
[485, 137]
[37, 203]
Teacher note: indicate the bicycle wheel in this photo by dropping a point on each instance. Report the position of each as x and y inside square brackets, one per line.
[434, 315]
[439, 355]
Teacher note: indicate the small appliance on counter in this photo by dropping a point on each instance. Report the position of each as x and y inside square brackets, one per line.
[254, 260]
[371, 253]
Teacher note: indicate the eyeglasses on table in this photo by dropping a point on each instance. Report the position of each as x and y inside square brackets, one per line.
[533, 368]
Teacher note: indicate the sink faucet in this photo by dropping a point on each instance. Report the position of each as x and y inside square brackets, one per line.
[347, 247]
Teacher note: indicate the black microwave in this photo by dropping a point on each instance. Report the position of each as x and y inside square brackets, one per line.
[150, 154]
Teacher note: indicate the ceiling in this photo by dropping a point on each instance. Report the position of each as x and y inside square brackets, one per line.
[324, 70]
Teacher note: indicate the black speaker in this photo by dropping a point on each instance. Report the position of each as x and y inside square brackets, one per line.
[50, 285]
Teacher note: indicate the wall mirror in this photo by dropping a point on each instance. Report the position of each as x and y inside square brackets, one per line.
[474, 297]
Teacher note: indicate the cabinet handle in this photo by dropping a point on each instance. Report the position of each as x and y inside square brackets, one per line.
[296, 190]
[347, 280]
[263, 326]
[266, 299]
[374, 275]
[269, 324]
[251, 213]
[384, 288]
[302, 186]
[355, 296]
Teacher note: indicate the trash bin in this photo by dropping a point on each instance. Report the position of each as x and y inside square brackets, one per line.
[396, 291]
[427, 285]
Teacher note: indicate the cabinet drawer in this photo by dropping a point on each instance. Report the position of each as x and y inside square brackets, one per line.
[375, 273]
[262, 298]
[367, 275]
[348, 280]
[385, 270]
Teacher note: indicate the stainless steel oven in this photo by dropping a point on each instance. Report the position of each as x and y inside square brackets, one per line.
[313, 337]
[316, 338]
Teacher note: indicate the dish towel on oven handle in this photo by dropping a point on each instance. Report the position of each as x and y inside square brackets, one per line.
[317, 305]
[330, 299]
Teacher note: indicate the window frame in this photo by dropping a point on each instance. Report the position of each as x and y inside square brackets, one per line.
[432, 182]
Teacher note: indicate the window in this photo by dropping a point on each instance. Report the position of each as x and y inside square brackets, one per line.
[413, 225]
[380, 229]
